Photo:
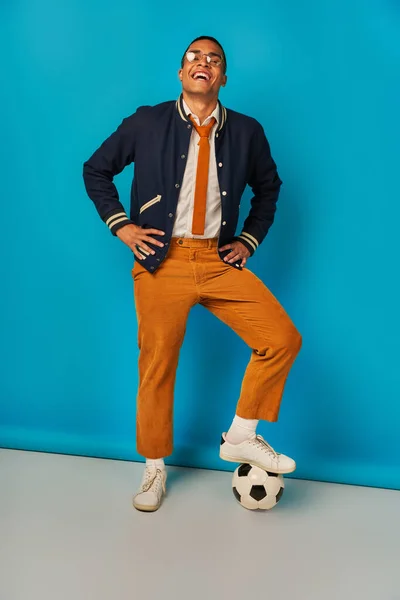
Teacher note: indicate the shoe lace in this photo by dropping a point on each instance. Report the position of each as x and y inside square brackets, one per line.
[261, 443]
[153, 479]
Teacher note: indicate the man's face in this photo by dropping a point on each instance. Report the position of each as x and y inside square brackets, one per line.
[201, 77]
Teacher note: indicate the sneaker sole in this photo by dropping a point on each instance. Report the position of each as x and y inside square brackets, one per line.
[235, 459]
[145, 508]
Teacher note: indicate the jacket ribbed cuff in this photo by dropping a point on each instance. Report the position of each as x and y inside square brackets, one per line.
[249, 241]
[116, 220]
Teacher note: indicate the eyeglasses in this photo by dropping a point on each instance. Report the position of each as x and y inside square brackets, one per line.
[212, 58]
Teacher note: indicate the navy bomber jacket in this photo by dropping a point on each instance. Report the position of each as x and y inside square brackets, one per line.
[156, 139]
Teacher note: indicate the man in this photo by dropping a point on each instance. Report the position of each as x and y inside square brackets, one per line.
[193, 159]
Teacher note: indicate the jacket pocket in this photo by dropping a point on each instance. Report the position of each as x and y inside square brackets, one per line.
[150, 203]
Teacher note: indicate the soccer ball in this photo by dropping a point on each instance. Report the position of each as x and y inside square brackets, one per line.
[255, 488]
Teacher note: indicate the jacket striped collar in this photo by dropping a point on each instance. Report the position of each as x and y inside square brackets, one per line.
[183, 115]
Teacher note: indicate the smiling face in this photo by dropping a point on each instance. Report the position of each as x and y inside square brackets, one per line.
[201, 78]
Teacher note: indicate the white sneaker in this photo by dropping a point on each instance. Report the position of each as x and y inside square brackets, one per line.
[256, 451]
[152, 490]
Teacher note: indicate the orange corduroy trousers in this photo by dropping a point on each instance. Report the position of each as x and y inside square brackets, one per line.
[194, 274]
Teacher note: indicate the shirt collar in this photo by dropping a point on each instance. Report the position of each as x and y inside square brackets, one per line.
[215, 114]
[223, 113]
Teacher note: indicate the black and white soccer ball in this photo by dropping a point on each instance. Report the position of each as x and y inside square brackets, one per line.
[255, 488]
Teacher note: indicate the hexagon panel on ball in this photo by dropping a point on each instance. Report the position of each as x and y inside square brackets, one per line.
[256, 489]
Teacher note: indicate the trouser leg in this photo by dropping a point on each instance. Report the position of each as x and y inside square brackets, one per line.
[163, 301]
[242, 301]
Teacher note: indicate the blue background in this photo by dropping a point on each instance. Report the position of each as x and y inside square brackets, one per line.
[323, 80]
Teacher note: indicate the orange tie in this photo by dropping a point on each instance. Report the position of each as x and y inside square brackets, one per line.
[203, 161]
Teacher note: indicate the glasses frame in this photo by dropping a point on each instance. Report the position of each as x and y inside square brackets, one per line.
[198, 56]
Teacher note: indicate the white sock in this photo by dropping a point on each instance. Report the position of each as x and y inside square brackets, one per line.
[156, 463]
[241, 430]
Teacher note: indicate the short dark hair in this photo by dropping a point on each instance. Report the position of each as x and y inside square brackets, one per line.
[207, 37]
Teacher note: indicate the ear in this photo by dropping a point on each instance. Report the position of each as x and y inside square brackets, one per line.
[224, 81]
[180, 74]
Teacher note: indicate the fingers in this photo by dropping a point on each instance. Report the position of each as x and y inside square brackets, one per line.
[139, 251]
[232, 256]
[152, 241]
[235, 255]
[231, 253]
[145, 248]
[142, 237]
[142, 247]
[138, 255]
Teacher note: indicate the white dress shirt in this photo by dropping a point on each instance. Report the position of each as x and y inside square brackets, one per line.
[184, 211]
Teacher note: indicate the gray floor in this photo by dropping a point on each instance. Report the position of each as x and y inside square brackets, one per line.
[69, 532]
